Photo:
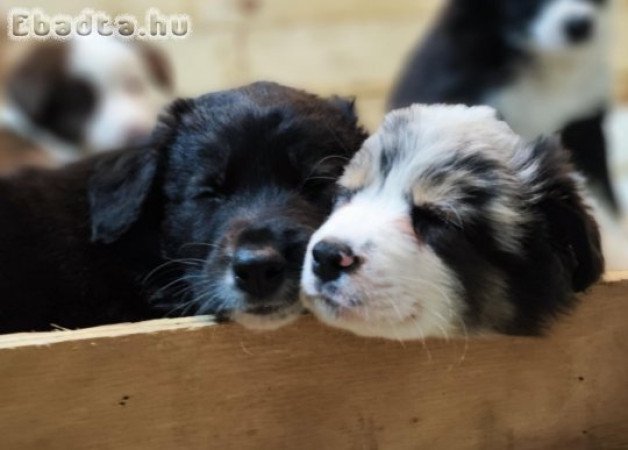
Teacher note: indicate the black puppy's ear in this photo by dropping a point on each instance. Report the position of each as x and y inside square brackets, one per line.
[169, 121]
[557, 192]
[122, 181]
[117, 191]
[346, 105]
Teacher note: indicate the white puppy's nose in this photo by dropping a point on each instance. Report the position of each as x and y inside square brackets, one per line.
[331, 258]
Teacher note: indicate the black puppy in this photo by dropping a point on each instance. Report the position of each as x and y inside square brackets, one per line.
[213, 217]
[543, 64]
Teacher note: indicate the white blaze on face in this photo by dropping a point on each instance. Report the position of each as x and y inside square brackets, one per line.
[128, 100]
[401, 290]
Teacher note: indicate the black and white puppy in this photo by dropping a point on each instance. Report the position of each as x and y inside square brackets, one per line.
[447, 223]
[85, 95]
[213, 217]
[543, 64]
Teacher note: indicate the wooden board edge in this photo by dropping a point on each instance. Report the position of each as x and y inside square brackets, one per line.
[614, 277]
[18, 340]
[13, 341]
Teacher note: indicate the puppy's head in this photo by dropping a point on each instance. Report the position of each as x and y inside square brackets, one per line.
[93, 93]
[549, 26]
[447, 223]
[243, 178]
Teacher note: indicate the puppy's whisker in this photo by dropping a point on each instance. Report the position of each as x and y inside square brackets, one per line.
[182, 279]
[424, 342]
[327, 158]
[183, 261]
[466, 340]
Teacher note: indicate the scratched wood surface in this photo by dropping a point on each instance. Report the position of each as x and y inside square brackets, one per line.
[184, 384]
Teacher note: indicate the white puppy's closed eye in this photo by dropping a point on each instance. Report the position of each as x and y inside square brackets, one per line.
[450, 224]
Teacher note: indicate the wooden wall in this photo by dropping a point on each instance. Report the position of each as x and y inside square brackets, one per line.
[351, 47]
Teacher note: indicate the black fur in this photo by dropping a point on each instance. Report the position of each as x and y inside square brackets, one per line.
[149, 232]
[472, 51]
[586, 140]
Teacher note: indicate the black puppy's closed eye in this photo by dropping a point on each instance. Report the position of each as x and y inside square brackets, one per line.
[206, 192]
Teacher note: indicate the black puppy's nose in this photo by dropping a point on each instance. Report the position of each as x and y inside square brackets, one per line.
[579, 29]
[258, 271]
[331, 258]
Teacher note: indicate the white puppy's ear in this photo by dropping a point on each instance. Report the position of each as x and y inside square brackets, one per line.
[556, 193]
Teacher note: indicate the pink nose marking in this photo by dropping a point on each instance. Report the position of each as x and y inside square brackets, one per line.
[346, 260]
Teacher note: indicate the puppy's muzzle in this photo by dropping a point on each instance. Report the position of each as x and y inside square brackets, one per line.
[332, 258]
[259, 271]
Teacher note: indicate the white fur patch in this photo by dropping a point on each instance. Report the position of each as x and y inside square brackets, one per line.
[547, 31]
[128, 99]
[391, 301]
[563, 82]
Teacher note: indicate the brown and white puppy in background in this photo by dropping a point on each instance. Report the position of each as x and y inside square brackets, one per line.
[67, 99]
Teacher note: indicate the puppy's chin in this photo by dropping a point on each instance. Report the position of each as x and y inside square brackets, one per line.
[268, 320]
[359, 321]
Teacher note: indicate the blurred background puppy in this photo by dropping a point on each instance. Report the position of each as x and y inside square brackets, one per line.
[545, 66]
[542, 63]
[67, 99]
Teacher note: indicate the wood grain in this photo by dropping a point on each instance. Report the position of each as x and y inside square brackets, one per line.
[310, 387]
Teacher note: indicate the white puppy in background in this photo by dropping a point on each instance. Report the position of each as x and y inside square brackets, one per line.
[448, 223]
[89, 94]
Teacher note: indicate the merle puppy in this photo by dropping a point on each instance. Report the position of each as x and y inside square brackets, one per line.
[449, 224]
[212, 217]
[543, 64]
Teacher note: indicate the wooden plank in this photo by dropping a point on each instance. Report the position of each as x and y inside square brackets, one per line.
[308, 386]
